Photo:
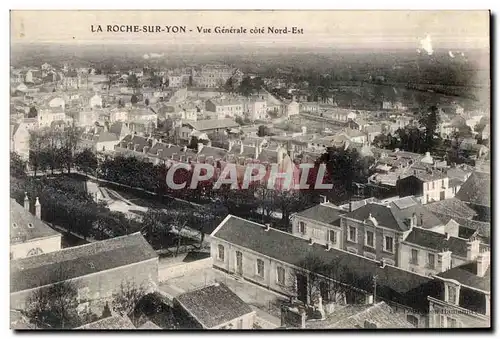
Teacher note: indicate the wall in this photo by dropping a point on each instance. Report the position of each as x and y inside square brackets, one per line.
[378, 252]
[101, 285]
[317, 231]
[439, 309]
[49, 244]
[247, 324]
[169, 272]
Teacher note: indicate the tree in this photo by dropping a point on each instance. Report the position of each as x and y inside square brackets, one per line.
[229, 85]
[430, 121]
[17, 165]
[127, 297]
[86, 161]
[155, 224]
[263, 131]
[146, 102]
[55, 306]
[133, 99]
[133, 81]
[246, 87]
[33, 113]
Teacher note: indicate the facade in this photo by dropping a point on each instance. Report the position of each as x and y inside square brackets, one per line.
[225, 108]
[20, 136]
[29, 235]
[206, 126]
[292, 109]
[429, 186]
[464, 298]
[97, 269]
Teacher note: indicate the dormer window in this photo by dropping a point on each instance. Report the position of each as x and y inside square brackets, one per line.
[451, 294]
[30, 225]
[14, 225]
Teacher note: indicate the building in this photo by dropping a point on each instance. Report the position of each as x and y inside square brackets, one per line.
[476, 192]
[292, 109]
[343, 115]
[206, 126]
[464, 298]
[277, 260]
[429, 186]
[255, 108]
[215, 307]
[20, 136]
[225, 108]
[101, 140]
[321, 223]
[29, 235]
[212, 76]
[97, 269]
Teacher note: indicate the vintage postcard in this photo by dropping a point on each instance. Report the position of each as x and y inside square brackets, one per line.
[246, 170]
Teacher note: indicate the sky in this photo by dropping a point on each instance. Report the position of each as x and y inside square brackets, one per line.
[372, 29]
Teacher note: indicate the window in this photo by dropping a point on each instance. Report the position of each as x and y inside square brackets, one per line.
[260, 268]
[30, 225]
[370, 239]
[414, 257]
[302, 227]
[427, 198]
[451, 322]
[433, 185]
[280, 273]
[351, 236]
[221, 253]
[452, 294]
[332, 237]
[389, 244]
[431, 259]
[34, 251]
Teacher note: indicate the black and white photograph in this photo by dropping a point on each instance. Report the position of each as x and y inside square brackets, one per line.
[287, 170]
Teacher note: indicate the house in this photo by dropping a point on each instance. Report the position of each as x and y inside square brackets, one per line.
[321, 223]
[277, 260]
[355, 135]
[292, 109]
[97, 269]
[225, 108]
[464, 298]
[206, 126]
[343, 115]
[95, 101]
[309, 107]
[485, 133]
[372, 131]
[46, 116]
[476, 192]
[102, 141]
[429, 253]
[215, 307]
[114, 323]
[29, 235]
[429, 186]
[255, 108]
[20, 136]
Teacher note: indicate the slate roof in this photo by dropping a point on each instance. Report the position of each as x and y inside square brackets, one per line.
[111, 323]
[24, 226]
[437, 241]
[452, 207]
[137, 140]
[213, 305]
[466, 274]
[409, 207]
[169, 150]
[383, 214]
[293, 250]
[482, 227]
[354, 317]
[105, 136]
[326, 213]
[216, 152]
[476, 190]
[430, 176]
[149, 325]
[73, 262]
[204, 125]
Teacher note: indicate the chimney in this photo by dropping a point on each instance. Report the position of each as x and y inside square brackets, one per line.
[26, 202]
[444, 261]
[472, 249]
[257, 151]
[483, 263]
[382, 263]
[369, 299]
[311, 241]
[130, 145]
[447, 235]
[420, 220]
[350, 205]
[414, 219]
[323, 199]
[200, 147]
[268, 226]
[136, 147]
[145, 149]
[242, 147]
[184, 149]
[38, 209]
[231, 144]
[328, 246]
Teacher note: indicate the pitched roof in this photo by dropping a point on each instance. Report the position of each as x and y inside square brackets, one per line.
[105, 136]
[326, 213]
[24, 226]
[476, 190]
[406, 207]
[466, 274]
[382, 214]
[437, 241]
[355, 316]
[73, 262]
[452, 207]
[203, 125]
[285, 247]
[137, 140]
[213, 305]
[149, 325]
[116, 322]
